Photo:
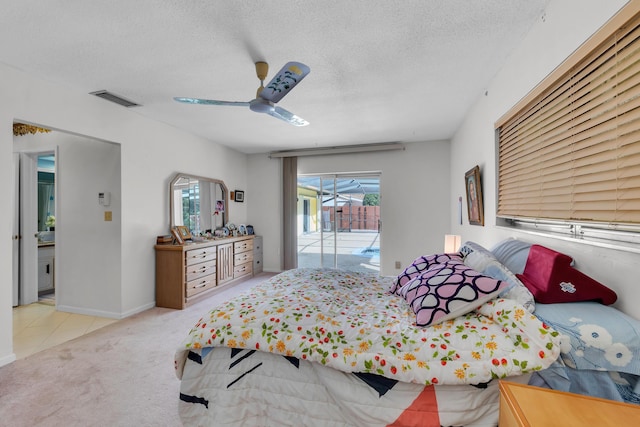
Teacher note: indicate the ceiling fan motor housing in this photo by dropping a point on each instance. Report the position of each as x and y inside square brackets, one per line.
[260, 105]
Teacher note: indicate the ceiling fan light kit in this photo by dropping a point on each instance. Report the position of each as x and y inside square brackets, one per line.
[267, 96]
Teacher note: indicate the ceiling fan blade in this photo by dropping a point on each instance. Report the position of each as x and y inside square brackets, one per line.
[285, 80]
[282, 114]
[211, 102]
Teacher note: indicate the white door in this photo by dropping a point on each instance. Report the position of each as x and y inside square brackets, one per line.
[28, 228]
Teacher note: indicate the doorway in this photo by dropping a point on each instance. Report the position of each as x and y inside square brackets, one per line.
[34, 226]
[91, 242]
[339, 215]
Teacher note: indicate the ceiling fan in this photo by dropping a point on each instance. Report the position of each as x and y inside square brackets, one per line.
[266, 97]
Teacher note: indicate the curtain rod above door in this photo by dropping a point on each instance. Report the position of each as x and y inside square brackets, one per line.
[346, 149]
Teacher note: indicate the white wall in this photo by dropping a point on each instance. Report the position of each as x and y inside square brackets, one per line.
[264, 198]
[151, 154]
[414, 191]
[566, 25]
[88, 257]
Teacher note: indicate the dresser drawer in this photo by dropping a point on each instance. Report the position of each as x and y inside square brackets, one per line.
[241, 258]
[242, 270]
[257, 244]
[257, 263]
[195, 271]
[196, 256]
[201, 284]
[243, 246]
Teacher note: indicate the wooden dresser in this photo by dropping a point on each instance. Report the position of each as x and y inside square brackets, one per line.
[187, 273]
[525, 405]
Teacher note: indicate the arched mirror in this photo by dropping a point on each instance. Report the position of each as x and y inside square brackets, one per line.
[198, 203]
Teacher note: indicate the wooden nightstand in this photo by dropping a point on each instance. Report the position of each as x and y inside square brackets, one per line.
[524, 405]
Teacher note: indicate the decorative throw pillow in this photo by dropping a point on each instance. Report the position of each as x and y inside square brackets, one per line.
[551, 279]
[418, 266]
[484, 261]
[446, 291]
[411, 284]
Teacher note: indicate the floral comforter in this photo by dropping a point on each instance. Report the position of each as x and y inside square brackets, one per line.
[349, 321]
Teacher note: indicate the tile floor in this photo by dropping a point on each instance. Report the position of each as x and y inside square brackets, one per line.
[39, 326]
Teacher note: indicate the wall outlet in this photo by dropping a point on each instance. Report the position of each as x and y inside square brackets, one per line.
[398, 264]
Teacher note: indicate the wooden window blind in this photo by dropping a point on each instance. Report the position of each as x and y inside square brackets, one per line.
[573, 152]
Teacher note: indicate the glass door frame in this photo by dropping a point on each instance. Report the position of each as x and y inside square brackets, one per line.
[329, 181]
[334, 227]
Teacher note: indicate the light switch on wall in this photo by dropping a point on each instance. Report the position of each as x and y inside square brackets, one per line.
[108, 215]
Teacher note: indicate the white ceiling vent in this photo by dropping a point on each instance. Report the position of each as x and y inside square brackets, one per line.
[114, 98]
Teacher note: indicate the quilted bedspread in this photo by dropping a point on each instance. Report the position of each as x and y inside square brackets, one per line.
[348, 321]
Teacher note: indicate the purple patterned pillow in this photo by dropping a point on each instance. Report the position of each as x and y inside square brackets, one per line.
[418, 266]
[447, 291]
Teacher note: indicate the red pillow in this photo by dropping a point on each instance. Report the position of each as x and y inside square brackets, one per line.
[551, 279]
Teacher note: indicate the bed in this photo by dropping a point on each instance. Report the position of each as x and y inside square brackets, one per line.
[323, 347]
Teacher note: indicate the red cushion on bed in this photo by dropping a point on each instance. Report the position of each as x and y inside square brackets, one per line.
[551, 279]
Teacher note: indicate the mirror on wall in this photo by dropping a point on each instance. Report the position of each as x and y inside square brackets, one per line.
[198, 203]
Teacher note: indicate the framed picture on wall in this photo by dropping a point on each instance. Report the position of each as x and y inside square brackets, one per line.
[473, 186]
[239, 196]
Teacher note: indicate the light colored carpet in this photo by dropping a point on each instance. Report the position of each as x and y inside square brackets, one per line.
[120, 375]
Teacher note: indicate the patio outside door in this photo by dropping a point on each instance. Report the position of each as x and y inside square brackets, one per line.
[339, 216]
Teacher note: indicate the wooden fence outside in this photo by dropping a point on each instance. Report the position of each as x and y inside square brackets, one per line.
[350, 218]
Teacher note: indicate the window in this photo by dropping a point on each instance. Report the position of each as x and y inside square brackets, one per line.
[569, 153]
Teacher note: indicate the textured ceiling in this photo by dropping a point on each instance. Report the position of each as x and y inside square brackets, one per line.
[381, 71]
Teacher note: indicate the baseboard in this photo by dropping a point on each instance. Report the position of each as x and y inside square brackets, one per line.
[139, 309]
[88, 311]
[108, 314]
[7, 359]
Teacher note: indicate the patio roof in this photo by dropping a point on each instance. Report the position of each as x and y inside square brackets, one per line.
[348, 185]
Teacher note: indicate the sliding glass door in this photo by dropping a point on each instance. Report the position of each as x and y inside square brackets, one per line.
[339, 221]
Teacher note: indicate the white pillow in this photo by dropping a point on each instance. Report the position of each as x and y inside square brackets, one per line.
[512, 253]
[481, 259]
